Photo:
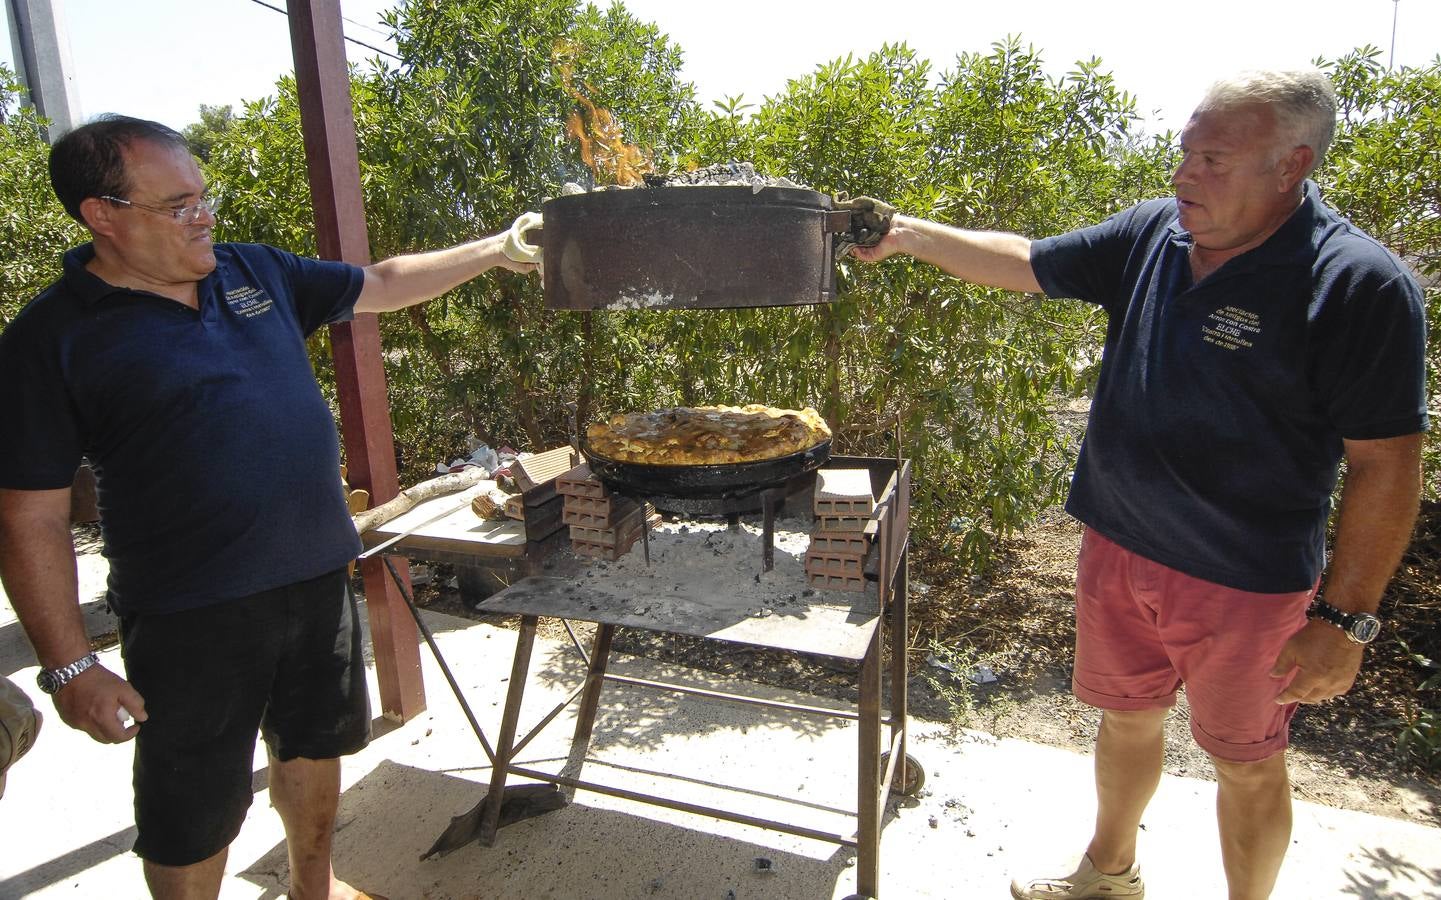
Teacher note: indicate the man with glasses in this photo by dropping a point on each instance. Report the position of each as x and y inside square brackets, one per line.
[179, 368]
[1255, 339]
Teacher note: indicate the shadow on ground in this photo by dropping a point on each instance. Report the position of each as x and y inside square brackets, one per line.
[390, 817]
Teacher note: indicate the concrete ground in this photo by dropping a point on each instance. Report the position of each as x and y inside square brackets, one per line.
[990, 808]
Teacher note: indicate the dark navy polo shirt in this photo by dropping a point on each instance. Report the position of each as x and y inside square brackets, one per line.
[1217, 425]
[216, 454]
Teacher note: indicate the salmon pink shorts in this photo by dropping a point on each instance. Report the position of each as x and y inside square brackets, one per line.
[1143, 630]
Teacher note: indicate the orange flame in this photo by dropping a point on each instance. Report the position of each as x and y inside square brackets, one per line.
[601, 138]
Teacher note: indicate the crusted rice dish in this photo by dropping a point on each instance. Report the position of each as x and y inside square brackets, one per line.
[707, 435]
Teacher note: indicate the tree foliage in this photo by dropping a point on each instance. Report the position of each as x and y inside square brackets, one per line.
[970, 375]
[456, 140]
[202, 135]
[1384, 174]
[34, 228]
[475, 125]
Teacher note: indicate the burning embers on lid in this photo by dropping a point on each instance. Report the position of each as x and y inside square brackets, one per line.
[602, 140]
[717, 245]
[614, 163]
[729, 174]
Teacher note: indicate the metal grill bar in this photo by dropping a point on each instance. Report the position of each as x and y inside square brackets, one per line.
[683, 806]
[734, 698]
[540, 726]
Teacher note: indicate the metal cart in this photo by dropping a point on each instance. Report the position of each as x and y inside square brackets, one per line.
[846, 625]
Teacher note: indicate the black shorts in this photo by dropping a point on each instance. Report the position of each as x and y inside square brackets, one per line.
[286, 661]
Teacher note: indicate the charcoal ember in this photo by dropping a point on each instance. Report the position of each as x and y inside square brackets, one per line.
[719, 174]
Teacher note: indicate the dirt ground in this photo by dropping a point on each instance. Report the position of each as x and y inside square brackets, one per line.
[1342, 753]
[1017, 623]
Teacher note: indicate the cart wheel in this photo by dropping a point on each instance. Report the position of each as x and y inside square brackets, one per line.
[915, 775]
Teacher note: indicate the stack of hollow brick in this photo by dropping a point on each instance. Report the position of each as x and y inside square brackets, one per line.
[836, 557]
[602, 525]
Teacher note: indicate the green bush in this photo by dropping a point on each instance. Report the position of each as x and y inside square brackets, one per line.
[34, 229]
[469, 130]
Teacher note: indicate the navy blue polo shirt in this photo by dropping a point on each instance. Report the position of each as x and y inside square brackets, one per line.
[216, 455]
[1217, 425]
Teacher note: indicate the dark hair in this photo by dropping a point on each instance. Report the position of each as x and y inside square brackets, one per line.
[89, 161]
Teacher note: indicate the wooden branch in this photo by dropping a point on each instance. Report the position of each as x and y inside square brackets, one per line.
[426, 490]
[490, 503]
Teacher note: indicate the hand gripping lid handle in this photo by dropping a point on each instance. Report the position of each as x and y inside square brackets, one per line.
[515, 246]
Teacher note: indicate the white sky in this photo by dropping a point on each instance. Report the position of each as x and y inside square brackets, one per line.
[161, 59]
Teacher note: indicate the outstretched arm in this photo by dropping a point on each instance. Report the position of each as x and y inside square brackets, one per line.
[1378, 510]
[403, 281]
[37, 563]
[992, 258]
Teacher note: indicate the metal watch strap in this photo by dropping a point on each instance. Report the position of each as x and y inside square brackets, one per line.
[52, 680]
[1361, 628]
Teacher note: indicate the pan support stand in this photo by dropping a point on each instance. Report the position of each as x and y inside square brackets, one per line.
[502, 805]
[883, 763]
[767, 500]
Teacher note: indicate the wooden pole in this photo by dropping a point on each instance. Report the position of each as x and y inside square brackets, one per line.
[328, 124]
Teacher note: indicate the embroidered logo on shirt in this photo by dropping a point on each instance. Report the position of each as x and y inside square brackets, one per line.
[1231, 328]
[248, 302]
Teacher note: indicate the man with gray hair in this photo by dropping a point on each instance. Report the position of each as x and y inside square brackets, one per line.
[1255, 339]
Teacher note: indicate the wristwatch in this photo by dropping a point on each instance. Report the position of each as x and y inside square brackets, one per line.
[52, 680]
[1360, 628]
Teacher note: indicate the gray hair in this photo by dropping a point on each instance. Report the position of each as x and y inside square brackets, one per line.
[1304, 103]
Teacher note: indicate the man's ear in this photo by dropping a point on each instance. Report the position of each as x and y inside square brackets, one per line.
[98, 215]
[1292, 168]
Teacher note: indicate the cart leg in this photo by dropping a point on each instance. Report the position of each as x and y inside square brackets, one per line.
[868, 833]
[589, 702]
[768, 537]
[899, 625]
[519, 671]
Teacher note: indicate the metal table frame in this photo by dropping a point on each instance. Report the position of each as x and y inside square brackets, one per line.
[876, 770]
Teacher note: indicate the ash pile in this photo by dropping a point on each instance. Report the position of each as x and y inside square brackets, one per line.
[738, 174]
[729, 174]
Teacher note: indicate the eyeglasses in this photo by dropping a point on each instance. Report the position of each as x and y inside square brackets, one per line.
[184, 215]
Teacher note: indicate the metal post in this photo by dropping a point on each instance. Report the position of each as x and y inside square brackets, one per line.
[1395, 13]
[328, 123]
[510, 718]
[868, 824]
[42, 59]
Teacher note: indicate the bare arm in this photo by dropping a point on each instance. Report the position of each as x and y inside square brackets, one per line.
[37, 564]
[1378, 510]
[992, 258]
[403, 281]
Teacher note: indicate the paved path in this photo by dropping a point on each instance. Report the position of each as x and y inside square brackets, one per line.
[989, 809]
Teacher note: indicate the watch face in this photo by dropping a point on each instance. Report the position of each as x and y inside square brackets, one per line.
[47, 681]
[1365, 629]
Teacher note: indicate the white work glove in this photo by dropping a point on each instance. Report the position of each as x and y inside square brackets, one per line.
[515, 246]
